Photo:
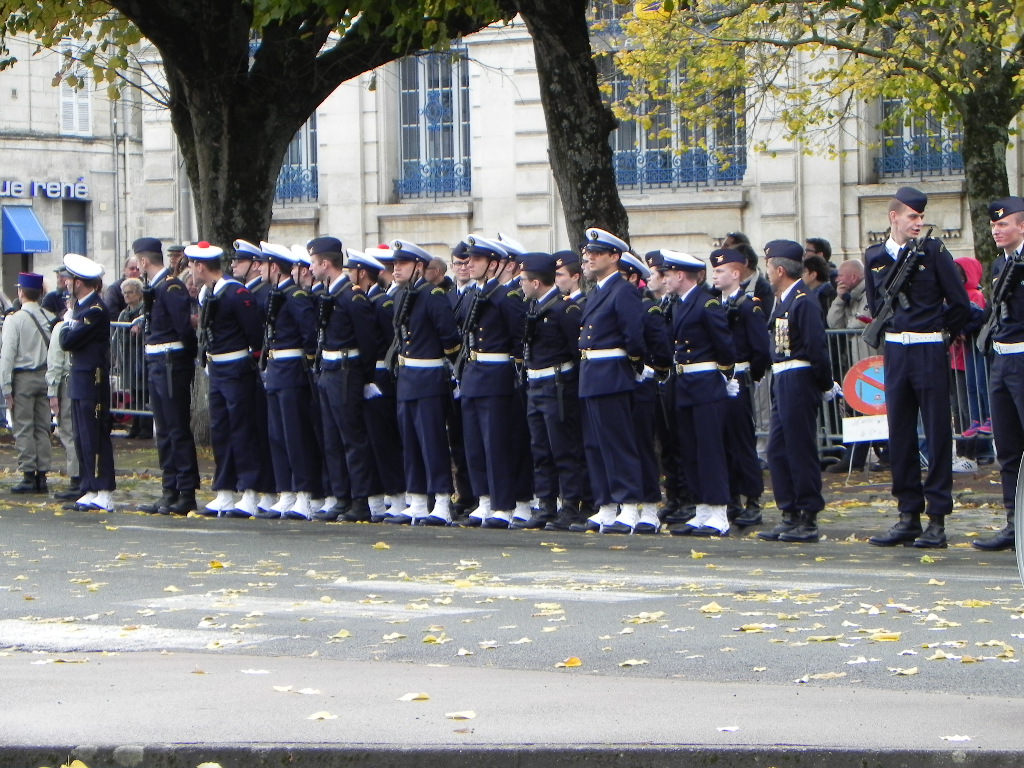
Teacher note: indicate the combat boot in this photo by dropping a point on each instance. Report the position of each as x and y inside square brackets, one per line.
[904, 532]
[806, 532]
[568, 515]
[41, 483]
[27, 484]
[734, 508]
[73, 491]
[186, 503]
[751, 514]
[169, 497]
[546, 513]
[934, 536]
[790, 522]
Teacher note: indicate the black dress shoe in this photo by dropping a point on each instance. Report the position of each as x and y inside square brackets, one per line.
[535, 523]
[585, 526]
[399, 519]
[790, 521]
[358, 511]
[470, 522]
[806, 532]
[647, 528]
[1005, 539]
[709, 531]
[169, 497]
[934, 536]
[683, 530]
[684, 514]
[72, 492]
[617, 527]
[904, 532]
[749, 517]
[433, 520]
[734, 508]
[498, 523]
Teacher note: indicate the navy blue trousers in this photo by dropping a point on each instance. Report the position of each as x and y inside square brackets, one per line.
[292, 442]
[171, 402]
[609, 443]
[917, 380]
[793, 442]
[645, 414]
[381, 418]
[487, 429]
[559, 469]
[92, 444]
[238, 452]
[428, 462]
[702, 450]
[1006, 399]
[745, 475]
[353, 472]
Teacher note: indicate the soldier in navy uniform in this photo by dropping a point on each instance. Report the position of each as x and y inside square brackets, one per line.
[463, 500]
[551, 358]
[657, 360]
[86, 335]
[170, 360]
[612, 354]
[245, 268]
[381, 413]
[917, 371]
[492, 336]
[753, 355]
[802, 377]
[569, 276]
[347, 351]
[703, 356]
[1006, 380]
[288, 352]
[230, 341]
[426, 342]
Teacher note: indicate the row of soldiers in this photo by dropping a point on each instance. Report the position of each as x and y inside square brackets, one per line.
[346, 385]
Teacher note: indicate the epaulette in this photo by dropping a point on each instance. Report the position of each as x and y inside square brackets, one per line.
[175, 287]
[299, 292]
[573, 305]
[359, 297]
[457, 347]
[514, 292]
[654, 310]
[388, 303]
[712, 302]
[798, 295]
[438, 291]
[757, 309]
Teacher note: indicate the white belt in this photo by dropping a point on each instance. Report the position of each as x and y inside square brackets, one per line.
[421, 362]
[339, 354]
[741, 367]
[547, 373]
[906, 337]
[227, 357]
[381, 365]
[696, 367]
[489, 357]
[1014, 348]
[285, 354]
[647, 374]
[789, 365]
[159, 349]
[602, 354]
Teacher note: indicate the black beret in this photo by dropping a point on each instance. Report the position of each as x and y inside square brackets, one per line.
[721, 256]
[538, 262]
[324, 245]
[565, 258]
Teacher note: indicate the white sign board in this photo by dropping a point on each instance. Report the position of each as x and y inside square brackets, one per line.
[862, 429]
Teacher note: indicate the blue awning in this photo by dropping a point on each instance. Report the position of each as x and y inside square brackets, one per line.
[23, 232]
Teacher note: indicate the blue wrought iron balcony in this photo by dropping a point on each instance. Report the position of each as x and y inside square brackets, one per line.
[297, 184]
[643, 169]
[434, 179]
[923, 158]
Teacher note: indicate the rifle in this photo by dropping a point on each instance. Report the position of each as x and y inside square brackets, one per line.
[207, 312]
[148, 298]
[402, 312]
[895, 290]
[1000, 310]
[275, 301]
[324, 308]
[466, 332]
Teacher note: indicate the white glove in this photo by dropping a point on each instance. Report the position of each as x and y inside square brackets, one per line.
[732, 387]
[68, 315]
[371, 391]
[831, 394]
[457, 392]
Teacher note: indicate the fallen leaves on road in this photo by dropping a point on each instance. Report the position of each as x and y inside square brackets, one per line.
[633, 662]
[571, 662]
[422, 696]
[466, 715]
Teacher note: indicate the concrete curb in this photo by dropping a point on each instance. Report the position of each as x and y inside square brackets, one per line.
[497, 756]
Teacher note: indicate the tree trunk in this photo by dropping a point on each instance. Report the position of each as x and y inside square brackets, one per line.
[578, 121]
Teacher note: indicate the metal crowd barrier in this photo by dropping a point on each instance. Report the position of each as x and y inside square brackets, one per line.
[968, 385]
[129, 396]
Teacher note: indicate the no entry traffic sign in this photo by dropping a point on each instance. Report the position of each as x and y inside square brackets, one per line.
[864, 386]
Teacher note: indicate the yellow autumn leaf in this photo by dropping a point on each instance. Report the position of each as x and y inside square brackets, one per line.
[440, 639]
[571, 662]
[466, 715]
[171, 588]
[110, 527]
[415, 697]
[382, 545]
[885, 637]
[711, 607]
[341, 634]
[208, 765]
[633, 662]
[216, 564]
[826, 676]
[972, 603]
[936, 583]
[697, 555]
[927, 559]
[322, 716]
[823, 638]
